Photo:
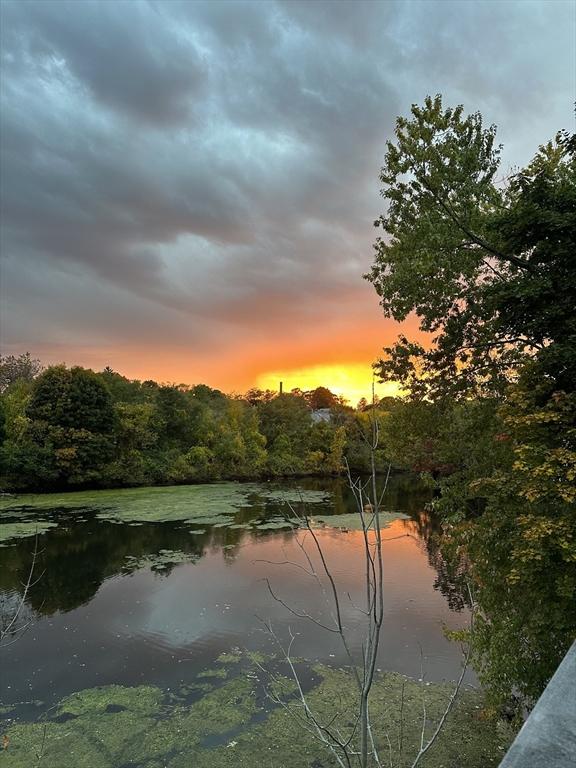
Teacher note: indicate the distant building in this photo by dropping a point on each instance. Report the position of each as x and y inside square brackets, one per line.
[321, 414]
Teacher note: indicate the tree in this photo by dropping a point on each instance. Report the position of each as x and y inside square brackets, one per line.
[286, 424]
[13, 369]
[471, 258]
[488, 268]
[72, 398]
[539, 219]
[177, 416]
[2, 424]
[71, 426]
[326, 448]
[523, 547]
[136, 433]
[124, 390]
[238, 445]
[321, 397]
[255, 396]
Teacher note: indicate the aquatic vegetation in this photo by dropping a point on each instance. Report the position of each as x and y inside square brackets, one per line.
[295, 495]
[160, 560]
[213, 504]
[230, 726]
[257, 657]
[230, 658]
[159, 504]
[353, 522]
[220, 672]
[101, 700]
[21, 530]
[274, 523]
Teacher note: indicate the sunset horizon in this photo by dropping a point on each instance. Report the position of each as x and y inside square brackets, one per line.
[288, 383]
[176, 210]
[346, 370]
[350, 381]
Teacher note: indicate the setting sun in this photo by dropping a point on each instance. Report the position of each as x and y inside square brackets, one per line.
[352, 381]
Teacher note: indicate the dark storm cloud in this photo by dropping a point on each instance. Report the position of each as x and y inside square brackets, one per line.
[131, 57]
[176, 171]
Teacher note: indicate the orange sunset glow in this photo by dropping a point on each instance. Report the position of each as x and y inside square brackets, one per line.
[351, 381]
[215, 225]
[336, 351]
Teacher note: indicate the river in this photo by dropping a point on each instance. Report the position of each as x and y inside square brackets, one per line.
[167, 589]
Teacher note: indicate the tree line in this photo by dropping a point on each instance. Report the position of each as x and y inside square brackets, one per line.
[64, 428]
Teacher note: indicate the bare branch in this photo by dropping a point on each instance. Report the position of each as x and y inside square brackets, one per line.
[424, 749]
[299, 614]
[12, 627]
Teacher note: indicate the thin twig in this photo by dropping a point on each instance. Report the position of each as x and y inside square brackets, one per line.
[455, 692]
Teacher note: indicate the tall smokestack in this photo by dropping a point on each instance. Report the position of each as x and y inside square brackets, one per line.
[280, 387]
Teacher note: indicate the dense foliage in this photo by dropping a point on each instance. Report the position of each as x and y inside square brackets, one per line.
[488, 267]
[73, 428]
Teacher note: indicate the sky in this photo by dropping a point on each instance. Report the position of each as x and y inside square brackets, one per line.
[189, 188]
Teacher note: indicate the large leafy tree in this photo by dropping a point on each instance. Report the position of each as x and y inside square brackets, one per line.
[487, 266]
[73, 398]
[70, 429]
[476, 258]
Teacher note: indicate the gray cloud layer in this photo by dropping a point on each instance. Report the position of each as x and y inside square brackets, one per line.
[204, 175]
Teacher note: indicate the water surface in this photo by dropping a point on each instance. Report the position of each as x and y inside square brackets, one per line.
[151, 586]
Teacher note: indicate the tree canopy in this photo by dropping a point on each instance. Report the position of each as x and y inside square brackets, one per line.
[72, 427]
[16, 368]
[485, 263]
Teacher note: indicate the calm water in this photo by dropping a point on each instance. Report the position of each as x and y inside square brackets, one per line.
[111, 605]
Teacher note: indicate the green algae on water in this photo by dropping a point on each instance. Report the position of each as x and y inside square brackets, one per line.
[213, 504]
[274, 523]
[353, 522]
[210, 504]
[147, 505]
[145, 700]
[21, 530]
[220, 672]
[296, 496]
[116, 726]
[159, 561]
[257, 657]
[229, 658]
